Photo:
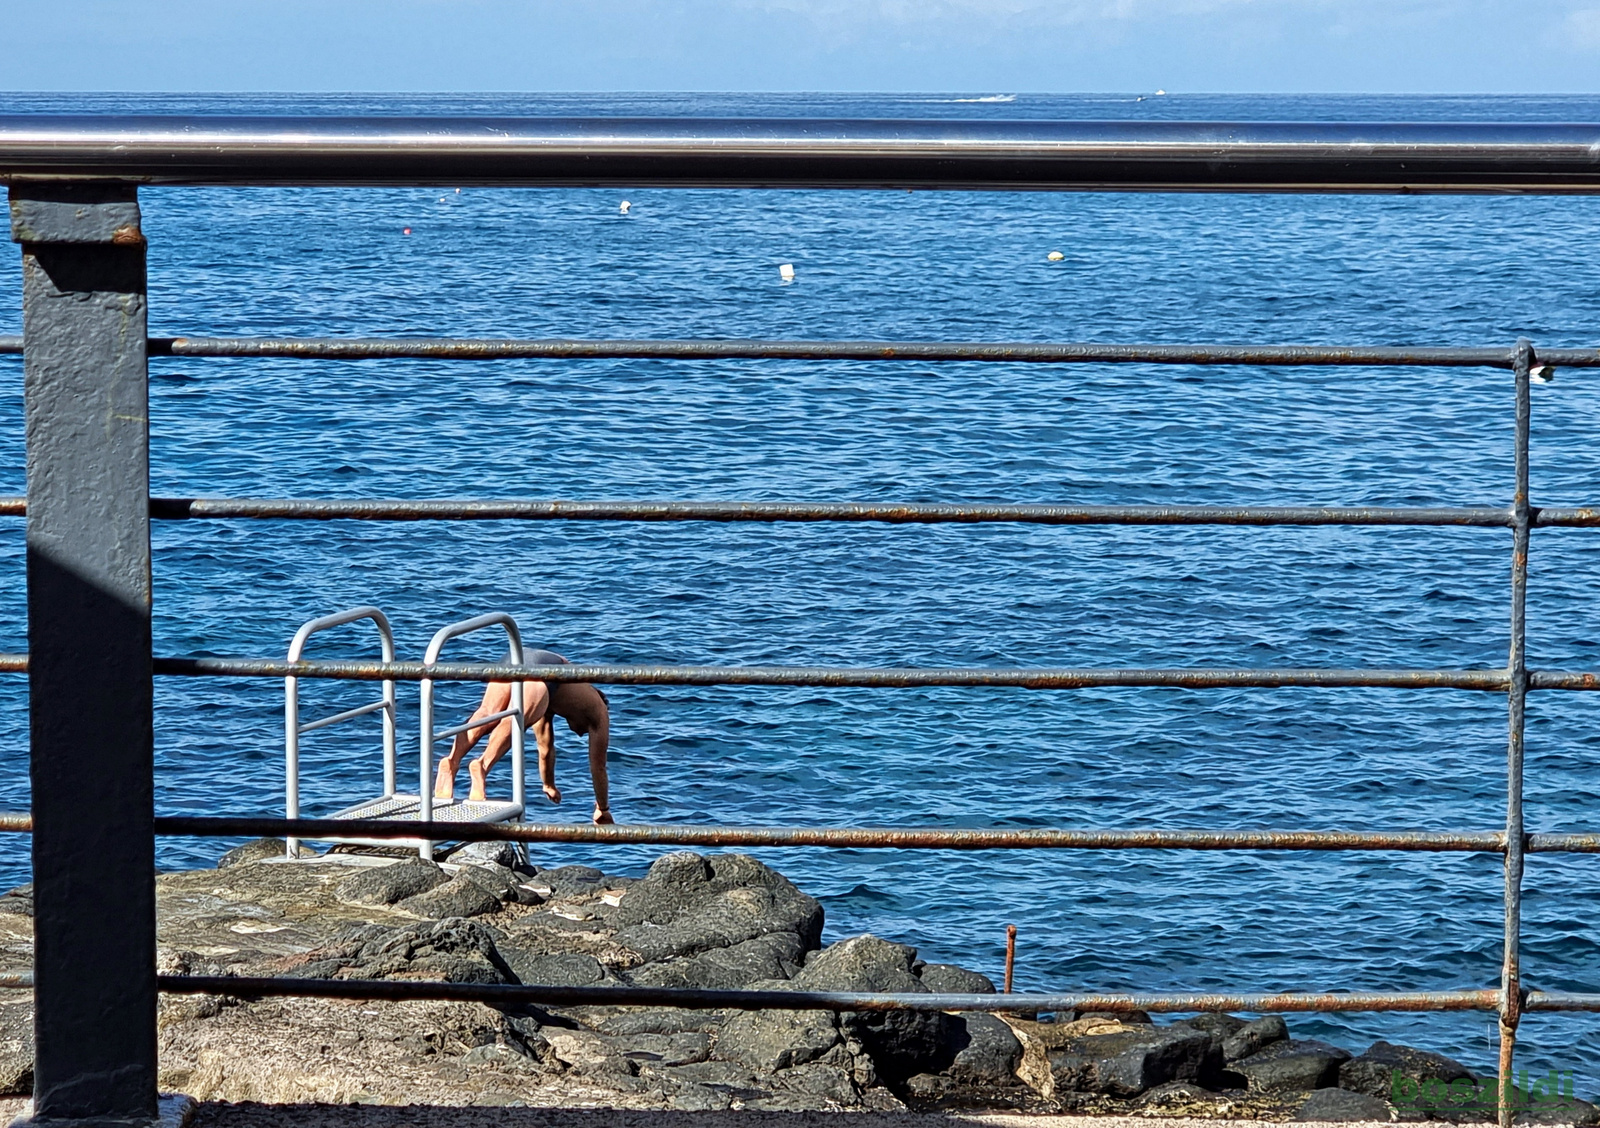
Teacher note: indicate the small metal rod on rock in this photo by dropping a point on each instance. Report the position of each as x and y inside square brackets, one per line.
[1011, 954]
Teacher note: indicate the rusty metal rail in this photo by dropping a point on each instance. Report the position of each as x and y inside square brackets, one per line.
[887, 838]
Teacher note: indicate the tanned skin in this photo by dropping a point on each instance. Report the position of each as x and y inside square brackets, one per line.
[580, 705]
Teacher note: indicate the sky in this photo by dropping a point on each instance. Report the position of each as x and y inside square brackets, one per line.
[1000, 46]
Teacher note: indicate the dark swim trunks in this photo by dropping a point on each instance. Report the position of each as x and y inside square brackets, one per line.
[536, 658]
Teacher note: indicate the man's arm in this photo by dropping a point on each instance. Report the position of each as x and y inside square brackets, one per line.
[544, 735]
[599, 742]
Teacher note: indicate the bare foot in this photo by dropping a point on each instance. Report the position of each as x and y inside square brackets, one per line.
[476, 793]
[602, 816]
[444, 786]
[552, 793]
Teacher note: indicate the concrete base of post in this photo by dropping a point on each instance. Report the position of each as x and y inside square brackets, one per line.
[175, 1110]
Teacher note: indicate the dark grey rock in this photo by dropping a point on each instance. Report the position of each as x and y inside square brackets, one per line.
[777, 955]
[1127, 1017]
[16, 1073]
[259, 849]
[986, 1050]
[1183, 1098]
[18, 901]
[771, 1040]
[484, 853]
[557, 969]
[384, 885]
[570, 881]
[950, 979]
[1343, 1105]
[496, 1053]
[692, 1096]
[1566, 1110]
[1214, 1022]
[1292, 1065]
[665, 1049]
[1374, 1072]
[498, 880]
[1129, 1061]
[633, 1022]
[687, 904]
[1253, 1037]
[458, 897]
[901, 1042]
[824, 1083]
[461, 951]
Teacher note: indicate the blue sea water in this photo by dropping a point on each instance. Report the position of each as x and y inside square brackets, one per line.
[924, 265]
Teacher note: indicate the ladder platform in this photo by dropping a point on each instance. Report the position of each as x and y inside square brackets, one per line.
[408, 808]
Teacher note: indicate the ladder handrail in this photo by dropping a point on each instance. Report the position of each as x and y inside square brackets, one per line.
[293, 729]
[515, 713]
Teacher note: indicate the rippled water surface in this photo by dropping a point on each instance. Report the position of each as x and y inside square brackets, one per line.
[1167, 268]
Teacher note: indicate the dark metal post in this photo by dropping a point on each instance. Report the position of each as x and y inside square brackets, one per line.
[1517, 701]
[88, 567]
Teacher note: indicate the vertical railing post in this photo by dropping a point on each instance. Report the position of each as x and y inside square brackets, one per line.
[88, 571]
[1517, 701]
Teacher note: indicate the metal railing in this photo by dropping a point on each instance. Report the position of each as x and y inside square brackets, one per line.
[88, 535]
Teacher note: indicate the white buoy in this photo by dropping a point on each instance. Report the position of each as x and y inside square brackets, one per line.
[1055, 256]
[624, 206]
[786, 272]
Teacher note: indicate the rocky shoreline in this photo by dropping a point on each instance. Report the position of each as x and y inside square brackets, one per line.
[722, 922]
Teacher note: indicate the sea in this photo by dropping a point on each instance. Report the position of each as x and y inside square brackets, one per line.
[924, 265]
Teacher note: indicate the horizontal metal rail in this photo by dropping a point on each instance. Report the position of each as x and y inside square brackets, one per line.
[516, 509]
[865, 677]
[858, 677]
[865, 838]
[506, 995]
[790, 152]
[434, 348]
[905, 513]
[379, 990]
[1087, 352]
[347, 715]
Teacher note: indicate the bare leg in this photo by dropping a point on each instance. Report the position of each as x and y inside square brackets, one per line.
[478, 770]
[545, 734]
[599, 740]
[535, 703]
[597, 772]
[496, 696]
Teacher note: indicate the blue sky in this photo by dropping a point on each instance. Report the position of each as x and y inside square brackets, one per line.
[888, 45]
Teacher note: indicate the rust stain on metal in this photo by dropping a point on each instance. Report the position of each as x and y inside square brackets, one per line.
[128, 235]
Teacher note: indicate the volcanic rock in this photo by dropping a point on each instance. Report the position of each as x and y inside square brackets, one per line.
[1342, 1105]
[1374, 1072]
[1253, 1037]
[1292, 1065]
[461, 896]
[1126, 1062]
[384, 885]
[901, 1042]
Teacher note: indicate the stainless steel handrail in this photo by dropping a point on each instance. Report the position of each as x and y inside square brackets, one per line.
[788, 152]
[293, 730]
[429, 735]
